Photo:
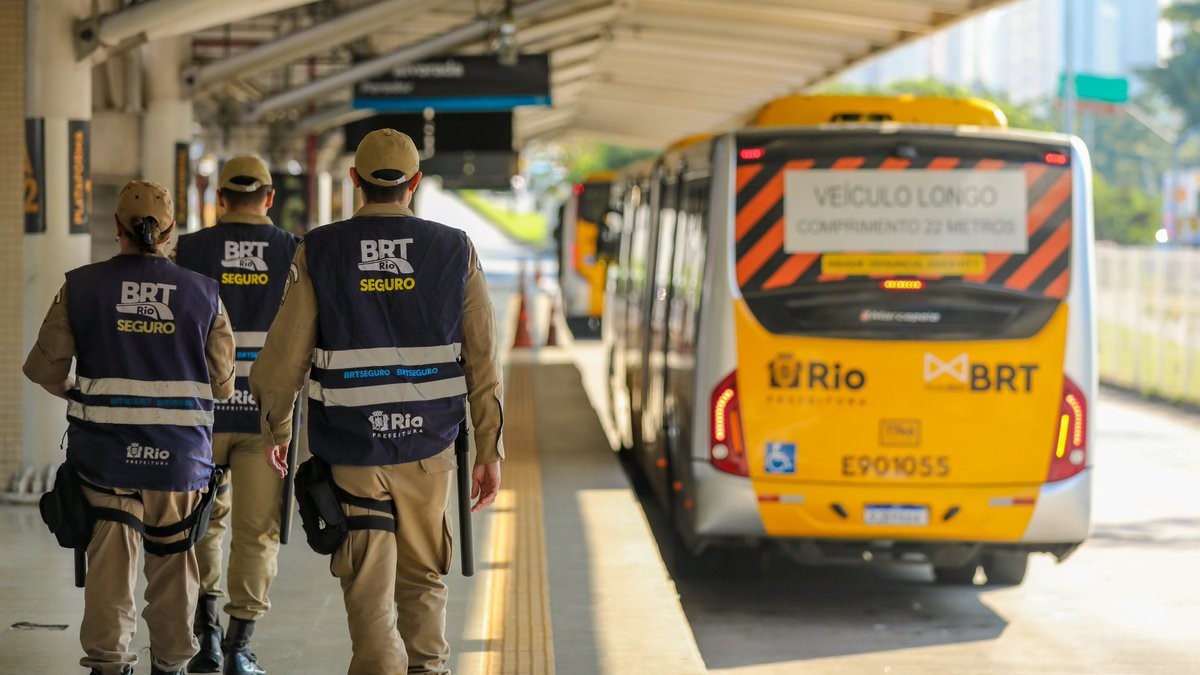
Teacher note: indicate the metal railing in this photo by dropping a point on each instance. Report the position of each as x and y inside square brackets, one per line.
[1148, 316]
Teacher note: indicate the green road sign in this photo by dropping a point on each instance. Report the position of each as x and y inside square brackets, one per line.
[1097, 88]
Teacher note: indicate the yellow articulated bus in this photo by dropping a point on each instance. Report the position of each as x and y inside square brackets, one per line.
[582, 270]
[862, 328]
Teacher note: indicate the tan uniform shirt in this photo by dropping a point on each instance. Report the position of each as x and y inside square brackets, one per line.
[49, 360]
[279, 371]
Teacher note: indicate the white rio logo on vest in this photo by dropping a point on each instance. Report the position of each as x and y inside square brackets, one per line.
[145, 452]
[383, 422]
[146, 299]
[385, 255]
[246, 255]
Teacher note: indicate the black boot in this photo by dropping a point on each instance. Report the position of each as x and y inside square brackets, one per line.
[207, 629]
[238, 658]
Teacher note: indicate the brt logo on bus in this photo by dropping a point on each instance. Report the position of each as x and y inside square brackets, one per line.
[789, 373]
[961, 374]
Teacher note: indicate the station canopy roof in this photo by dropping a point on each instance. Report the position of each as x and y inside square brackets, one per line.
[639, 72]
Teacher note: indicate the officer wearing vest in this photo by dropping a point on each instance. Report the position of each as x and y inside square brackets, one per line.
[393, 314]
[249, 258]
[153, 350]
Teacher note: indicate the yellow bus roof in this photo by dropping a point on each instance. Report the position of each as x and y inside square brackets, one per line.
[600, 177]
[802, 110]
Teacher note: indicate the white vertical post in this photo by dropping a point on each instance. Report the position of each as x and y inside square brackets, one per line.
[347, 198]
[324, 198]
[58, 91]
[168, 117]
[1187, 337]
[1135, 304]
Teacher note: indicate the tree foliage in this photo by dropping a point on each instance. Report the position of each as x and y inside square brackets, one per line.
[1176, 79]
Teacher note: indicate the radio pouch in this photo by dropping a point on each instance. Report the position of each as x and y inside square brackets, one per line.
[66, 511]
[320, 500]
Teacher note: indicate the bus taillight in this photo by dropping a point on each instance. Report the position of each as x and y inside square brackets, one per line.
[1070, 438]
[727, 448]
[578, 189]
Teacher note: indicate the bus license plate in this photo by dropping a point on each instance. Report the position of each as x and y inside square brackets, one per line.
[891, 514]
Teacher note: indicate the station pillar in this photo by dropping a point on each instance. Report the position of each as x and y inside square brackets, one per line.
[167, 125]
[13, 193]
[58, 195]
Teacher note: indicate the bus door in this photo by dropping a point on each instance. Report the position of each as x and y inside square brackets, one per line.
[654, 456]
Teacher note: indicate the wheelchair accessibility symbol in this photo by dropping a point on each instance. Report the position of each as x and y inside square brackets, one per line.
[780, 458]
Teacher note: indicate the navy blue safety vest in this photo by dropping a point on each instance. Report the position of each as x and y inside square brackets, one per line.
[386, 385]
[142, 414]
[250, 261]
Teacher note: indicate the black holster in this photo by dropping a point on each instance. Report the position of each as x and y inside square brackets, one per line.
[320, 502]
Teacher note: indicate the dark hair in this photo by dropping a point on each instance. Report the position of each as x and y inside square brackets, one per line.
[240, 200]
[377, 194]
[143, 233]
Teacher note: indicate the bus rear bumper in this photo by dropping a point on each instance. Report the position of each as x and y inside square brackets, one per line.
[1063, 512]
[725, 505]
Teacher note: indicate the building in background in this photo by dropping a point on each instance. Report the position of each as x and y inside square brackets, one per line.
[1018, 50]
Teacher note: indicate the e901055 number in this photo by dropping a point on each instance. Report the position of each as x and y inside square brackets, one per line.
[895, 466]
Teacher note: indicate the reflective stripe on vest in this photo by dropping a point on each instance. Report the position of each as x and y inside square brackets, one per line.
[141, 416]
[342, 359]
[250, 339]
[116, 386]
[400, 392]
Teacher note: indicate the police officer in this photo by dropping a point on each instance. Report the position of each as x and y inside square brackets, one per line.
[153, 350]
[249, 258]
[393, 313]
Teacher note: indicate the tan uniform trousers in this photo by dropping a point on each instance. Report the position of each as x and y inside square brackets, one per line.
[254, 492]
[392, 585]
[172, 582]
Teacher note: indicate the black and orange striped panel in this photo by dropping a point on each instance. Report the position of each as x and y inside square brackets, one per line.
[763, 265]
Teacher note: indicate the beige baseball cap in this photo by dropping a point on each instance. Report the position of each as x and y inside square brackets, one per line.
[244, 174]
[140, 198]
[386, 150]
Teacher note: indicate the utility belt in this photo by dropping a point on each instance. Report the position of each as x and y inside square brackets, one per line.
[71, 518]
[320, 500]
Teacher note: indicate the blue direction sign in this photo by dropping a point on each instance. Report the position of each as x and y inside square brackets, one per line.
[458, 84]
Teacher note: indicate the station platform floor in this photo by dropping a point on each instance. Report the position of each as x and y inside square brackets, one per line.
[568, 577]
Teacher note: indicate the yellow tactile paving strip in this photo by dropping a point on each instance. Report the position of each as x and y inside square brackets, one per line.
[519, 636]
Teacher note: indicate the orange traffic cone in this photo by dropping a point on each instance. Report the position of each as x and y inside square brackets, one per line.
[552, 331]
[523, 339]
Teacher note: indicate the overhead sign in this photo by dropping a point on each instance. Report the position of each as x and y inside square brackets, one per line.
[79, 172]
[183, 179]
[453, 132]
[870, 211]
[35, 176]
[458, 83]
[1096, 88]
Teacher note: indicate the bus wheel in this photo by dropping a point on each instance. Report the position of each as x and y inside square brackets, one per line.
[959, 575]
[1005, 568]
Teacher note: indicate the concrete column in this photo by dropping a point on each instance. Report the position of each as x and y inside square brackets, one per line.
[58, 93]
[168, 119]
[13, 193]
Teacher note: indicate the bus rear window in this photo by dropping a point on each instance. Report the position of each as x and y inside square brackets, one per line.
[593, 202]
[984, 226]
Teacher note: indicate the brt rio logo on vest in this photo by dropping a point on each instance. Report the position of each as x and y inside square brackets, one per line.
[250, 256]
[389, 256]
[149, 301]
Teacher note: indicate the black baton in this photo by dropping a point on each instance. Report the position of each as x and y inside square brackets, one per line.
[462, 453]
[289, 481]
[80, 567]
